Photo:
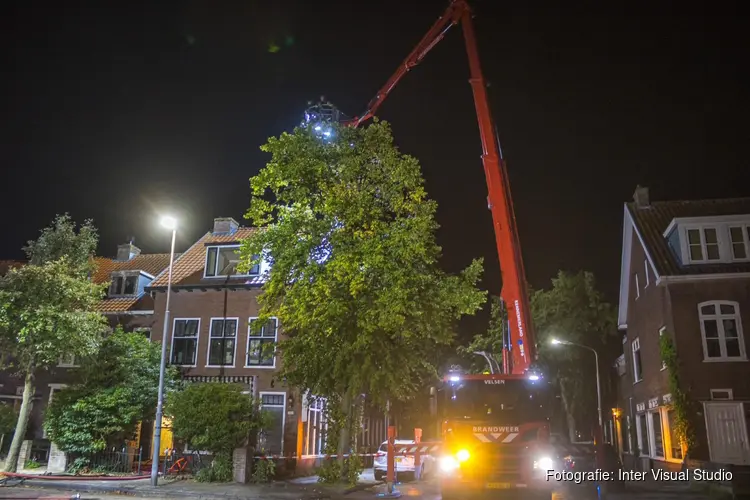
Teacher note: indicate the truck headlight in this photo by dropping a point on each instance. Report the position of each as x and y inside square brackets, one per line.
[448, 464]
[544, 463]
[463, 455]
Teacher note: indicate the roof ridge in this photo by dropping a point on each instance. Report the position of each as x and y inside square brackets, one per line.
[702, 200]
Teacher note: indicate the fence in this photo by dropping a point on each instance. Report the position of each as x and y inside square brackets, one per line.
[112, 461]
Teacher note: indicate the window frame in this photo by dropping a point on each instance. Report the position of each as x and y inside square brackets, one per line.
[652, 436]
[62, 362]
[211, 337]
[701, 228]
[643, 416]
[637, 342]
[124, 275]
[216, 264]
[729, 392]
[637, 287]
[737, 316]
[251, 337]
[283, 411]
[745, 229]
[197, 341]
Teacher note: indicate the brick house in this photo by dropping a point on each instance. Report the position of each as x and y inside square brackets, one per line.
[126, 305]
[685, 273]
[209, 335]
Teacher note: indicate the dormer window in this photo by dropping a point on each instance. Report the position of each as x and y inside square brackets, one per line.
[124, 284]
[703, 244]
[222, 261]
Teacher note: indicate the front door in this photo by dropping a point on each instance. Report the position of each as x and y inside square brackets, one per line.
[727, 433]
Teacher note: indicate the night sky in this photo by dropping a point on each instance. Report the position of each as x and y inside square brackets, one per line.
[120, 111]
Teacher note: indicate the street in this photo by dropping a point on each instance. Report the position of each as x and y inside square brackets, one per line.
[422, 490]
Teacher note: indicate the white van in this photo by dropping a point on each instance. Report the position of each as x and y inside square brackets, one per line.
[402, 463]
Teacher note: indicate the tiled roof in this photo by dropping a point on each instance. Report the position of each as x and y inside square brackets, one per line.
[188, 268]
[150, 263]
[653, 220]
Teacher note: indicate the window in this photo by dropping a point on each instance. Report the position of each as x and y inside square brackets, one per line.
[643, 436]
[657, 439]
[271, 439]
[146, 332]
[222, 262]
[67, 361]
[661, 334]
[721, 394]
[674, 440]
[620, 365]
[703, 244]
[722, 331]
[124, 285]
[637, 287]
[222, 342]
[626, 434]
[645, 267]
[185, 341]
[637, 368]
[739, 237]
[260, 344]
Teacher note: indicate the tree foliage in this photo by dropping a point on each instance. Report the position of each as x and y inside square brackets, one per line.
[576, 311]
[215, 417]
[109, 394]
[48, 309]
[350, 234]
[8, 418]
[490, 341]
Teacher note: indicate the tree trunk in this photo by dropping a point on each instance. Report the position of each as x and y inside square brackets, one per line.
[11, 463]
[569, 417]
[345, 431]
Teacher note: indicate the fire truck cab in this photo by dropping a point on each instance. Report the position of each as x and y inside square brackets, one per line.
[495, 431]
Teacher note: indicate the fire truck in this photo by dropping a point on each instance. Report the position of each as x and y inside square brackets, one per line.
[495, 428]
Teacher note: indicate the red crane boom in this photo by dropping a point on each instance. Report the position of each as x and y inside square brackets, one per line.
[514, 291]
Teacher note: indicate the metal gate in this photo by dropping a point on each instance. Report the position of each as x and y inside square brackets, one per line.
[727, 433]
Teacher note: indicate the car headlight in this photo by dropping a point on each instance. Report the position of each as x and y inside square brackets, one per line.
[463, 455]
[544, 463]
[448, 464]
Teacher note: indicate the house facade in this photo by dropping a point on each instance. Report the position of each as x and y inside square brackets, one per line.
[685, 273]
[126, 305]
[209, 334]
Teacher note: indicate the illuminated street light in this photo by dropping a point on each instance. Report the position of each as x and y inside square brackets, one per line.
[168, 223]
[598, 385]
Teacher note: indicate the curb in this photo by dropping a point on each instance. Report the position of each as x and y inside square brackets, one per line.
[149, 491]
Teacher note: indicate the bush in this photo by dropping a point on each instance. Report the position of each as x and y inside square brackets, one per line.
[329, 472]
[8, 418]
[263, 471]
[353, 469]
[220, 471]
[32, 464]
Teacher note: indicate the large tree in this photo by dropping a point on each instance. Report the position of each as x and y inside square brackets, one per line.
[108, 395]
[573, 309]
[354, 279]
[47, 309]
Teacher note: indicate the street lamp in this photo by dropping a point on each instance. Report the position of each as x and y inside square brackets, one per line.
[168, 223]
[598, 385]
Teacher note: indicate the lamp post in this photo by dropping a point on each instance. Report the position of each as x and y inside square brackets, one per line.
[169, 223]
[598, 385]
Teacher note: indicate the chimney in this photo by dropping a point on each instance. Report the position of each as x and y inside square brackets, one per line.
[641, 197]
[127, 251]
[225, 225]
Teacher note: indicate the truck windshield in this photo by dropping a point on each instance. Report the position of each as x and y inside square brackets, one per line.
[509, 402]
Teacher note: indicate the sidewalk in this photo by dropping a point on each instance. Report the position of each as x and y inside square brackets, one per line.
[305, 488]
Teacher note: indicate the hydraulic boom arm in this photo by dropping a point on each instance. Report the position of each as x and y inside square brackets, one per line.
[514, 292]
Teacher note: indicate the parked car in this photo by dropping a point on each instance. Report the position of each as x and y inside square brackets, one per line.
[402, 464]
